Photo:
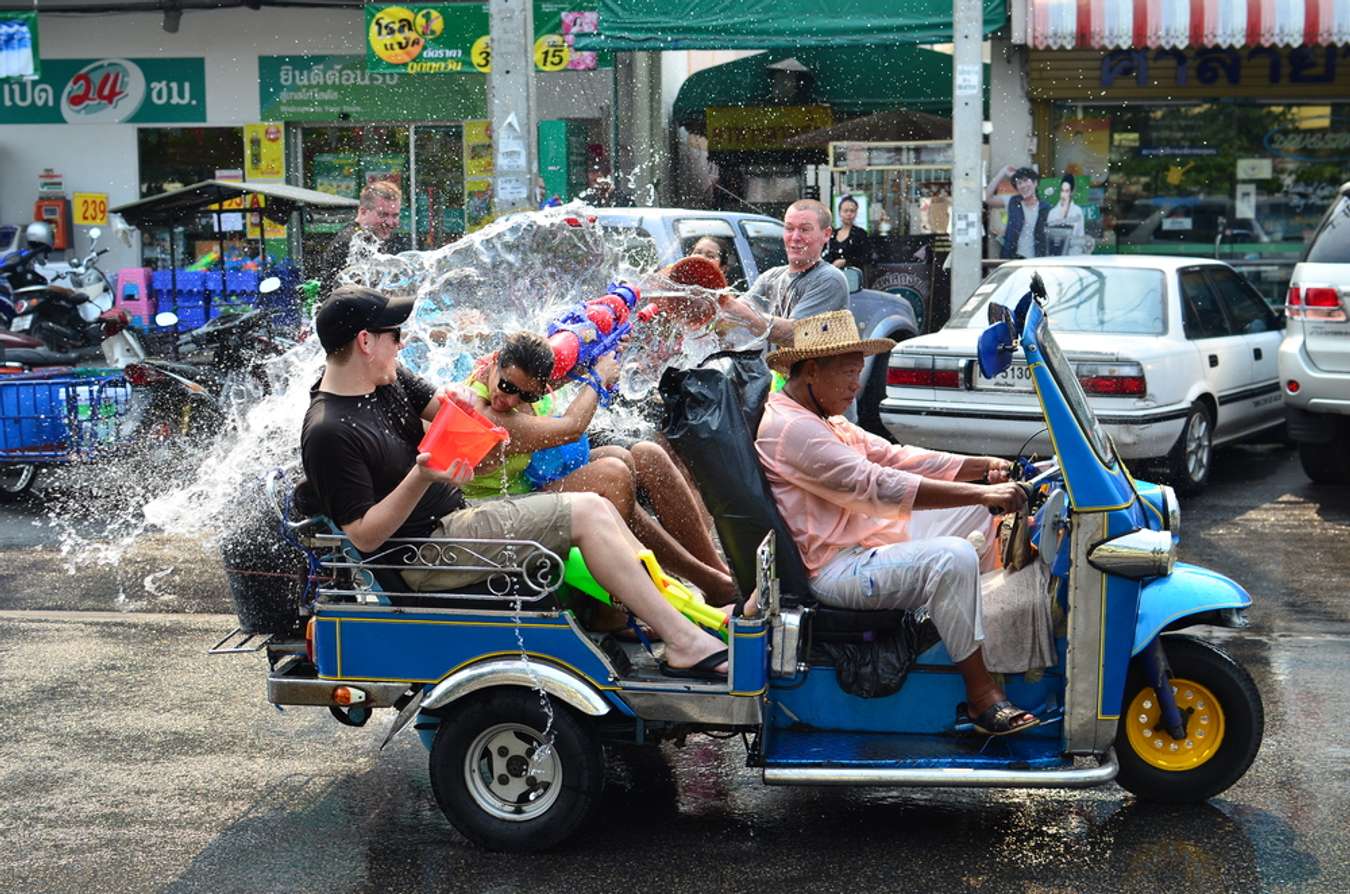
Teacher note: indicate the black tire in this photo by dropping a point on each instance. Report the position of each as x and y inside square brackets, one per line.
[472, 795]
[1189, 463]
[16, 480]
[873, 393]
[1241, 715]
[1328, 463]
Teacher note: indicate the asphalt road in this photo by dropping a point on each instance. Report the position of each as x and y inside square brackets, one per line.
[132, 761]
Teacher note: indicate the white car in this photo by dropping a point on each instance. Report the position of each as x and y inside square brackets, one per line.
[1175, 355]
[1315, 356]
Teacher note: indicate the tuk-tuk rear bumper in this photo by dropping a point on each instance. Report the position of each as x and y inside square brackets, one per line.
[287, 690]
[947, 777]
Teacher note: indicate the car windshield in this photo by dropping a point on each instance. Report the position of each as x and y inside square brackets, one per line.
[1087, 298]
[1063, 373]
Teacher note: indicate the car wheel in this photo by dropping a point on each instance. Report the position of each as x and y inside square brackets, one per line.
[874, 392]
[511, 777]
[1328, 463]
[16, 479]
[1189, 463]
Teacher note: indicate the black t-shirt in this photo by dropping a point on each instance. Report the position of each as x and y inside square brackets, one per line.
[356, 450]
[856, 250]
[334, 258]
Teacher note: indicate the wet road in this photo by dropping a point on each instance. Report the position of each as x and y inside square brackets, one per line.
[133, 762]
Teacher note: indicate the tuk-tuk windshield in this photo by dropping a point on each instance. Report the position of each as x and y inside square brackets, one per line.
[1063, 373]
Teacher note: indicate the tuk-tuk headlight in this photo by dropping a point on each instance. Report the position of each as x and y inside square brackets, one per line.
[1171, 509]
[1138, 554]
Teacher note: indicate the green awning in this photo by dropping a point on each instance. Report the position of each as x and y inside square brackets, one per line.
[850, 80]
[775, 24]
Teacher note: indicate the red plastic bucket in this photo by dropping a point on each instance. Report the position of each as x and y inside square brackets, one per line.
[459, 434]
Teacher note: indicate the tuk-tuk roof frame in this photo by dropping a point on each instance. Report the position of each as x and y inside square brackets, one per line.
[173, 207]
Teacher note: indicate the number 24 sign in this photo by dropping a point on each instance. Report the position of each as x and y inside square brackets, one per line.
[91, 209]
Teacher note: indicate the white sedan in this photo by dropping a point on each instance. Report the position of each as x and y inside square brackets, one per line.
[1175, 355]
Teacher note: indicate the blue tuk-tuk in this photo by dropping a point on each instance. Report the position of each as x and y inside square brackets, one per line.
[516, 701]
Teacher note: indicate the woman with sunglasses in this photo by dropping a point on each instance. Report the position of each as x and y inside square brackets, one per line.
[511, 388]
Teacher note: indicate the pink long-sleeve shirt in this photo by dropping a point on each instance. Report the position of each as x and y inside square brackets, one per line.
[838, 486]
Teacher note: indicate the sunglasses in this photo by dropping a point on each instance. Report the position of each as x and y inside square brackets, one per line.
[396, 330]
[507, 387]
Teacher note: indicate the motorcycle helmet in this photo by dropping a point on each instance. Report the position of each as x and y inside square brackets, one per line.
[39, 234]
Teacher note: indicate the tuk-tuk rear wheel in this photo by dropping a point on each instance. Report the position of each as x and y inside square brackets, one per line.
[1218, 698]
[16, 479]
[507, 785]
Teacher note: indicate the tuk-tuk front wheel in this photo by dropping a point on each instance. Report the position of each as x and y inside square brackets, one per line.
[509, 780]
[16, 479]
[1224, 722]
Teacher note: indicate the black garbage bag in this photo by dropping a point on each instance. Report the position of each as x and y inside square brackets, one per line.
[711, 416]
[877, 665]
[267, 574]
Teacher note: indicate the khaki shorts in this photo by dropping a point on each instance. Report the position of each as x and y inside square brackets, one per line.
[544, 518]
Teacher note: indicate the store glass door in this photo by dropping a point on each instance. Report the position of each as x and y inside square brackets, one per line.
[343, 161]
[437, 196]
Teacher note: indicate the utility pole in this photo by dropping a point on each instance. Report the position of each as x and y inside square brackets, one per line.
[967, 142]
[511, 103]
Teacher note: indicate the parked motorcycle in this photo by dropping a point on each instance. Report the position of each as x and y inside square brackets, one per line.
[191, 394]
[64, 319]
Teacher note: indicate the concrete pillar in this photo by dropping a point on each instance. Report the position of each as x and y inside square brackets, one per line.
[511, 104]
[967, 143]
[643, 153]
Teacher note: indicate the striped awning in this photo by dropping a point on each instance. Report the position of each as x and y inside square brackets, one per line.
[1171, 24]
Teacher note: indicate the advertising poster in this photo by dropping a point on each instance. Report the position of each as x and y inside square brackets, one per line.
[452, 38]
[478, 171]
[264, 152]
[1083, 147]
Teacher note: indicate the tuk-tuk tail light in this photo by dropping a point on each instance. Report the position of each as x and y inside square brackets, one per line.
[1138, 554]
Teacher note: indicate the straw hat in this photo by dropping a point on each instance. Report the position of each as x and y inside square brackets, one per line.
[826, 335]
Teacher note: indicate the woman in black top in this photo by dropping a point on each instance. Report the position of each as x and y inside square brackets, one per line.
[848, 245]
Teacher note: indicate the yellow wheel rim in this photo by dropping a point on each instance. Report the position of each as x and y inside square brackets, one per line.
[1204, 727]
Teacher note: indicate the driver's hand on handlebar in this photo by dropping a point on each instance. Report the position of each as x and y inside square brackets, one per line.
[996, 470]
[1006, 496]
[458, 474]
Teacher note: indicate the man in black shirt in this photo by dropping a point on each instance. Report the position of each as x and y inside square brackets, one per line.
[359, 447]
[376, 221]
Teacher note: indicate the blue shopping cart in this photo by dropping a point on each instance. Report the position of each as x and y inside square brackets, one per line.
[54, 417]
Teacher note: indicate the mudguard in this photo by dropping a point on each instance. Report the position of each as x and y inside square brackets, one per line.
[514, 672]
[1188, 590]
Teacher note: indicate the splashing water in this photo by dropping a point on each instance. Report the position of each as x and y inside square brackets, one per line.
[518, 273]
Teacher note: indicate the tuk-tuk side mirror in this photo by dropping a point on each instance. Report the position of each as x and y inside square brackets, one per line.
[998, 313]
[854, 277]
[995, 351]
[94, 233]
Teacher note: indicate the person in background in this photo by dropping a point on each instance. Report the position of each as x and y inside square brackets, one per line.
[1024, 236]
[849, 246]
[1064, 222]
[803, 287]
[711, 247]
[376, 215]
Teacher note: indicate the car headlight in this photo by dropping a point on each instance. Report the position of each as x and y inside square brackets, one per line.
[1138, 554]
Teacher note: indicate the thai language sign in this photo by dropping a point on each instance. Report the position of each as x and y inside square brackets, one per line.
[452, 38]
[108, 91]
[339, 88]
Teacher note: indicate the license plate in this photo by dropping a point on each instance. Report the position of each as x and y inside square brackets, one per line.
[1015, 378]
[21, 324]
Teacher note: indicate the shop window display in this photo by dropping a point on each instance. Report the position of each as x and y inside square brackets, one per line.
[174, 157]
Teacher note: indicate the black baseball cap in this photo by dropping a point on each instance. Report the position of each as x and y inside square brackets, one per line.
[350, 309]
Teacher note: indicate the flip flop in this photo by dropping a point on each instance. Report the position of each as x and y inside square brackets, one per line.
[996, 720]
[703, 670]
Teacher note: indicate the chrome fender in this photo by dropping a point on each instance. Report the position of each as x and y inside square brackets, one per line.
[514, 672]
[1188, 590]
